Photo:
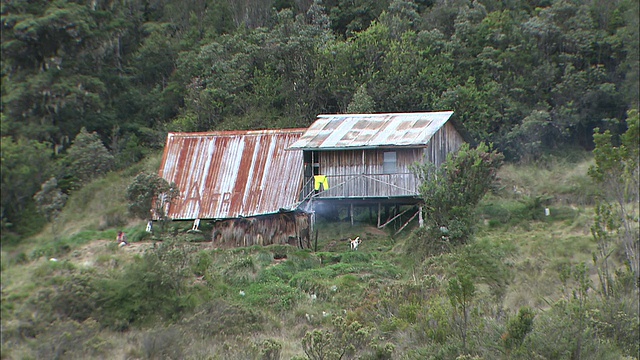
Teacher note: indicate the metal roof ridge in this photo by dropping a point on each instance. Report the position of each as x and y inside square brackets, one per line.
[389, 114]
[237, 132]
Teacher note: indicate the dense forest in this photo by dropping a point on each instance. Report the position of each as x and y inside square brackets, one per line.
[93, 86]
[530, 248]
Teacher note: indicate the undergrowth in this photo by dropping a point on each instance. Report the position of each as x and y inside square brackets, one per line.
[184, 299]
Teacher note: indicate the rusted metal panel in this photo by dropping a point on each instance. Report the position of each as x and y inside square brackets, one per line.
[292, 228]
[361, 131]
[231, 174]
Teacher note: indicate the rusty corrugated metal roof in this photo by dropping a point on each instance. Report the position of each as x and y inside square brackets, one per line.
[229, 174]
[330, 132]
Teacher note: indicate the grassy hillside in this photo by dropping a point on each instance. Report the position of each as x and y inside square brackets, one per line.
[173, 296]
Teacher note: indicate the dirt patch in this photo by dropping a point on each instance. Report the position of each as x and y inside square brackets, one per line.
[87, 254]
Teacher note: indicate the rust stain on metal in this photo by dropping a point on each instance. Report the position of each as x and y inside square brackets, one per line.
[362, 131]
[230, 174]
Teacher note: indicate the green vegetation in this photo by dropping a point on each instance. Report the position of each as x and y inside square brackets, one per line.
[452, 193]
[94, 86]
[540, 264]
[525, 285]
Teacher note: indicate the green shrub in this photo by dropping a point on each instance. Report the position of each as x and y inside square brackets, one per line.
[518, 328]
[137, 235]
[270, 350]
[88, 157]
[438, 324]
[283, 271]
[151, 287]
[383, 352]
[617, 320]
[274, 296]
[218, 318]
[76, 298]
[356, 257]
[241, 271]
[21, 258]
[329, 257]
[555, 336]
[202, 263]
[343, 339]
[452, 192]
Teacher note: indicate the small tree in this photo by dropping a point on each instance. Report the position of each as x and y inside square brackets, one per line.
[461, 292]
[50, 202]
[362, 102]
[604, 231]
[345, 339]
[577, 303]
[452, 192]
[88, 157]
[150, 193]
[518, 328]
[617, 171]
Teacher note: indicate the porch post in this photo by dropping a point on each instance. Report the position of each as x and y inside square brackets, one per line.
[351, 213]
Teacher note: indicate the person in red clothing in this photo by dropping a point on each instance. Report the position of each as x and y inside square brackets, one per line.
[122, 239]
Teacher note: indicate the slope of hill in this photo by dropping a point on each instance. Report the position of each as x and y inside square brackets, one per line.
[525, 288]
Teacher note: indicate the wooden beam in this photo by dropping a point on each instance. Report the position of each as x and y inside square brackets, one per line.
[407, 223]
[351, 213]
[393, 218]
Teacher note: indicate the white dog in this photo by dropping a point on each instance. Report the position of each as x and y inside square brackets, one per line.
[354, 243]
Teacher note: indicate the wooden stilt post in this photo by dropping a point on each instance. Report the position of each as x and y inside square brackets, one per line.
[379, 211]
[351, 213]
[313, 215]
[420, 219]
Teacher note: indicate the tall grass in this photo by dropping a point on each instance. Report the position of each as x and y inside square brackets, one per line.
[564, 179]
[227, 303]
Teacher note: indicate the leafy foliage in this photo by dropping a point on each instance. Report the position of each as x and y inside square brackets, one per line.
[461, 292]
[344, 339]
[88, 157]
[452, 192]
[50, 201]
[527, 77]
[518, 328]
[25, 166]
[617, 170]
[150, 193]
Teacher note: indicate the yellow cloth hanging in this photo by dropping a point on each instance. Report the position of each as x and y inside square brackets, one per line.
[321, 180]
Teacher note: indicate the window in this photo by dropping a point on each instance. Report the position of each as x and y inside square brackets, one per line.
[389, 162]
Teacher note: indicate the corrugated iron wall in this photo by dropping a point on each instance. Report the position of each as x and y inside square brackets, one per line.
[233, 173]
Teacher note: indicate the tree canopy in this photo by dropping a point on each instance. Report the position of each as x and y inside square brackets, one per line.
[527, 76]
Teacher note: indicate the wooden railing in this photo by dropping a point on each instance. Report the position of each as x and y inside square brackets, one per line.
[363, 185]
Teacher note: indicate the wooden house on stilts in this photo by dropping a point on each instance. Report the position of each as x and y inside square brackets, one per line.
[244, 182]
[365, 160]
